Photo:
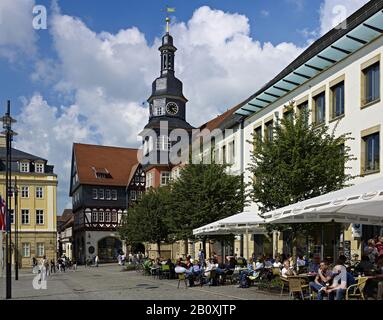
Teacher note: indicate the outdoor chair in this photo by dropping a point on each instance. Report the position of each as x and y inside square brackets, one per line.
[356, 290]
[228, 276]
[296, 287]
[165, 271]
[182, 277]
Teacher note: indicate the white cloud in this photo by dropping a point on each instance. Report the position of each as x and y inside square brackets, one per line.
[265, 13]
[109, 75]
[333, 12]
[16, 31]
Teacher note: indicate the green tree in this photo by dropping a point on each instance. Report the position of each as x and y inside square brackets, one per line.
[204, 193]
[302, 161]
[145, 221]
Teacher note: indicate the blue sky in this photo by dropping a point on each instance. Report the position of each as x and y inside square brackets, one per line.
[84, 78]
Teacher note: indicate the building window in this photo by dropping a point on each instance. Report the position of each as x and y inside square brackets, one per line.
[25, 216]
[101, 194]
[303, 108]
[108, 195]
[39, 167]
[258, 134]
[224, 161]
[289, 115]
[163, 143]
[269, 131]
[24, 192]
[94, 216]
[133, 195]
[24, 166]
[159, 111]
[39, 217]
[114, 194]
[39, 192]
[139, 195]
[40, 248]
[107, 216]
[320, 108]
[371, 153]
[149, 180]
[114, 216]
[12, 214]
[101, 216]
[26, 250]
[165, 178]
[371, 77]
[95, 194]
[337, 102]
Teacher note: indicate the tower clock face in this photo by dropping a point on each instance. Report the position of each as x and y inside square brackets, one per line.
[172, 108]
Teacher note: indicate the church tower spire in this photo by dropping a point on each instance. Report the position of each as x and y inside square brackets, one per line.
[167, 51]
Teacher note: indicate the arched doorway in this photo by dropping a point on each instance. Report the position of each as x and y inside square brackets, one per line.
[108, 249]
[137, 247]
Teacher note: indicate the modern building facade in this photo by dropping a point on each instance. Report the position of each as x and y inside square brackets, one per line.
[103, 179]
[35, 215]
[339, 80]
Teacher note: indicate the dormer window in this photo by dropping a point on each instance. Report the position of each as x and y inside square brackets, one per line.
[39, 167]
[101, 173]
[24, 166]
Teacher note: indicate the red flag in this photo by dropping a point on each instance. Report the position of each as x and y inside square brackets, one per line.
[2, 214]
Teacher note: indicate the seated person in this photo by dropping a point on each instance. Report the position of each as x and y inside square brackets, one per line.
[259, 265]
[268, 262]
[231, 264]
[277, 263]
[321, 280]
[287, 269]
[315, 264]
[180, 268]
[365, 266]
[339, 284]
[300, 261]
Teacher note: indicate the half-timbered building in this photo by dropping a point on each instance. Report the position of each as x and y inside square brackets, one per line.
[103, 180]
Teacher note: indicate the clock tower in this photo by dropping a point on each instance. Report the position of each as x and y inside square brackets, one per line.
[167, 108]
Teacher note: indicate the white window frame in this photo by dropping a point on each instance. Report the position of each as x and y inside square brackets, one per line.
[159, 111]
[114, 216]
[108, 216]
[101, 216]
[39, 246]
[95, 194]
[133, 195]
[23, 211]
[39, 216]
[163, 175]
[39, 167]
[149, 180]
[101, 194]
[94, 215]
[114, 195]
[163, 143]
[24, 192]
[108, 195]
[26, 249]
[39, 193]
[24, 167]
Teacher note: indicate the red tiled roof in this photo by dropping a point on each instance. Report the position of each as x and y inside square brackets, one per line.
[119, 163]
[217, 121]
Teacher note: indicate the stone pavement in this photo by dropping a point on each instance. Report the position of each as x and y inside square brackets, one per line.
[109, 282]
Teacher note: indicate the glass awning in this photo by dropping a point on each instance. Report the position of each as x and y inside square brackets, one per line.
[355, 39]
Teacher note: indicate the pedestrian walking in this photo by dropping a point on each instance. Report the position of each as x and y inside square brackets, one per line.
[53, 266]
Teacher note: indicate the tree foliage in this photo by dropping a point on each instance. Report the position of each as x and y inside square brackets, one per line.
[302, 161]
[146, 221]
[204, 193]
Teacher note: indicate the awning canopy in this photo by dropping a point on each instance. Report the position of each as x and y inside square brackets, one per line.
[359, 204]
[363, 27]
[236, 224]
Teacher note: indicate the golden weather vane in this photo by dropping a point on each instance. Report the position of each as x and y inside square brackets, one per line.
[169, 10]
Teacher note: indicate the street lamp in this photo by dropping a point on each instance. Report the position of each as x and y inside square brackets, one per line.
[9, 133]
[15, 192]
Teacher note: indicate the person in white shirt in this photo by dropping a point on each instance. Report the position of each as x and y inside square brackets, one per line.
[277, 263]
[339, 283]
[287, 269]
